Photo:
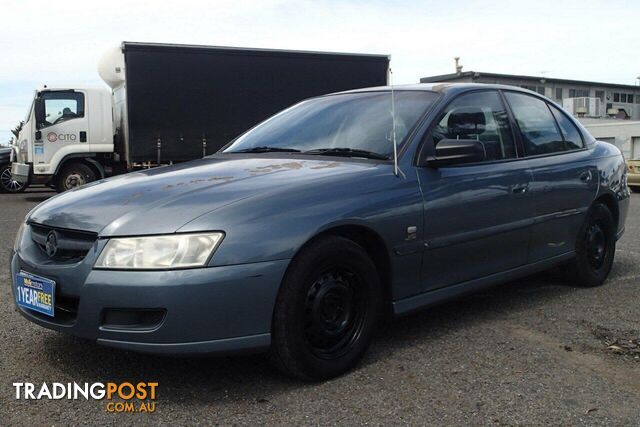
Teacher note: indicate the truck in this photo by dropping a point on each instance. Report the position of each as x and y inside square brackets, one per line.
[168, 103]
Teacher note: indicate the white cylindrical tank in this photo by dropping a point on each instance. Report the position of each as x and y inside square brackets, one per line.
[111, 67]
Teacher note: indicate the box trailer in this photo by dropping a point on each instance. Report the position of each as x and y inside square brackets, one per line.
[172, 103]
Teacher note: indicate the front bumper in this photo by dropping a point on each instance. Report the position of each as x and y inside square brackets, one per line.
[20, 172]
[218, 310]
[633, 179]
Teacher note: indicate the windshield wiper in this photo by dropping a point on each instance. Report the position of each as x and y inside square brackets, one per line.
[347, 152]
[265, 149]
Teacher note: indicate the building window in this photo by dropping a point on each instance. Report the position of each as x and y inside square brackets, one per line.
[578, 93]
[532, 88]
[558, 93]
[627, 98]
[600, 94]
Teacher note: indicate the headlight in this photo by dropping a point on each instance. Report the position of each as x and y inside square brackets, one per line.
[159, 252]
[16, 243]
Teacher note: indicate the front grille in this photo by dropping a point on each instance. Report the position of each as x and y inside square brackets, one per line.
[71, 245]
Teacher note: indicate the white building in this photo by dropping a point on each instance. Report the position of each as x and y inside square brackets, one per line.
[580, 98]
[625, 134]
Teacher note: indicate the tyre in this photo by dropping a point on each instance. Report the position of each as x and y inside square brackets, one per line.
[74, 175]
[8, 184]
[326, 311]
[635, 188]
[595, 249]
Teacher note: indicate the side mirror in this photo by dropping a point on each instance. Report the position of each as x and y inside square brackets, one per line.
[38, 110]
[457, 151]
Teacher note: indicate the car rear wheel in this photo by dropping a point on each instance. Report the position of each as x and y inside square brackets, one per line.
[8, 184]
[326, 311]
[74, 175]
[595, 249]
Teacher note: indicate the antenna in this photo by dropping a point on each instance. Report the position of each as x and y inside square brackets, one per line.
[393, 126]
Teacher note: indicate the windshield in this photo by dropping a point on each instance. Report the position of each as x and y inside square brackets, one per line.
[355, 121]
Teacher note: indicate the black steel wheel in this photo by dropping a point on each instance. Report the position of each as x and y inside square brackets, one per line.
[8, 184]
[326, 311]
[335, 313]
[595, 248]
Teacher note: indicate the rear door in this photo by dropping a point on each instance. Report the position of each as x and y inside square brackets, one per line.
[565, 179]
[477, 217]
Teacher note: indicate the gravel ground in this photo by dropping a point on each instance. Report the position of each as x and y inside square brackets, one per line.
[529, 352]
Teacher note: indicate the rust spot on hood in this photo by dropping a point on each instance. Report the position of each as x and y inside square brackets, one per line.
[169, 187]
[327, 165]
[276, 167]
[132, 197]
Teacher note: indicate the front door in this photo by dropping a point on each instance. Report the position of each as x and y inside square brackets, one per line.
[477, 216]
[63, 123]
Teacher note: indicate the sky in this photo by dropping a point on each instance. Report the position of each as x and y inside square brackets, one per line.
[59, 43]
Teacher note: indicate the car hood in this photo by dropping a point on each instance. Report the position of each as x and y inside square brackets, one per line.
[162, 200]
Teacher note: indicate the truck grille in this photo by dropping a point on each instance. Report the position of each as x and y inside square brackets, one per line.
[65, 245]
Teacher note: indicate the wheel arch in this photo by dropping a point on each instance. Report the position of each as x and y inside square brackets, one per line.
[610, 202]
[372, 243]
[83, 158]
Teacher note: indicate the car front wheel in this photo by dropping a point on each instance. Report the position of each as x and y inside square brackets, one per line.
[326, 311]
[7, 183]
[595, 248]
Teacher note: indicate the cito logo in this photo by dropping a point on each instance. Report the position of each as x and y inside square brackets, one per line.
[124, 397]
[62, 137]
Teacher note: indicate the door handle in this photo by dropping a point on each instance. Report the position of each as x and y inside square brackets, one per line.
[83, 136]
[585, 176]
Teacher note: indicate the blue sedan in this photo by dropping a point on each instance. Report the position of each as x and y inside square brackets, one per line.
[302, 233]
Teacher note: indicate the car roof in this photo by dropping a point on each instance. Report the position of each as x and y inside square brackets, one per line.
[447, 88]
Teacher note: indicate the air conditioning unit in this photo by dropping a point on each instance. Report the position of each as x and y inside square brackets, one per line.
[583, 107]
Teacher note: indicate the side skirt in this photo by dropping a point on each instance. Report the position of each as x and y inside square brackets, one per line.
[427, 299]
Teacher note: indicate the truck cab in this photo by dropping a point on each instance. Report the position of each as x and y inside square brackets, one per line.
[65, 131]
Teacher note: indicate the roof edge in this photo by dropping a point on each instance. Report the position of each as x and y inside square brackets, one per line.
[452, 76]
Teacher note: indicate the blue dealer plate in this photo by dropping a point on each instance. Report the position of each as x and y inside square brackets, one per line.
[35, 293]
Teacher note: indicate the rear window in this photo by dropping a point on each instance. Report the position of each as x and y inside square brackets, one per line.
[570, 133]
[539, 131]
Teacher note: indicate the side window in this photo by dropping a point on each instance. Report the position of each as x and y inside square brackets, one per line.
[537, 125]
[481, 116]
[570, 133]
[62, 106]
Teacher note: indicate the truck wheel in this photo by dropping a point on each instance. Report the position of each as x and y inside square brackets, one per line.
[326, 311]
[74, 175]
[595, 249]
[8, 184]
